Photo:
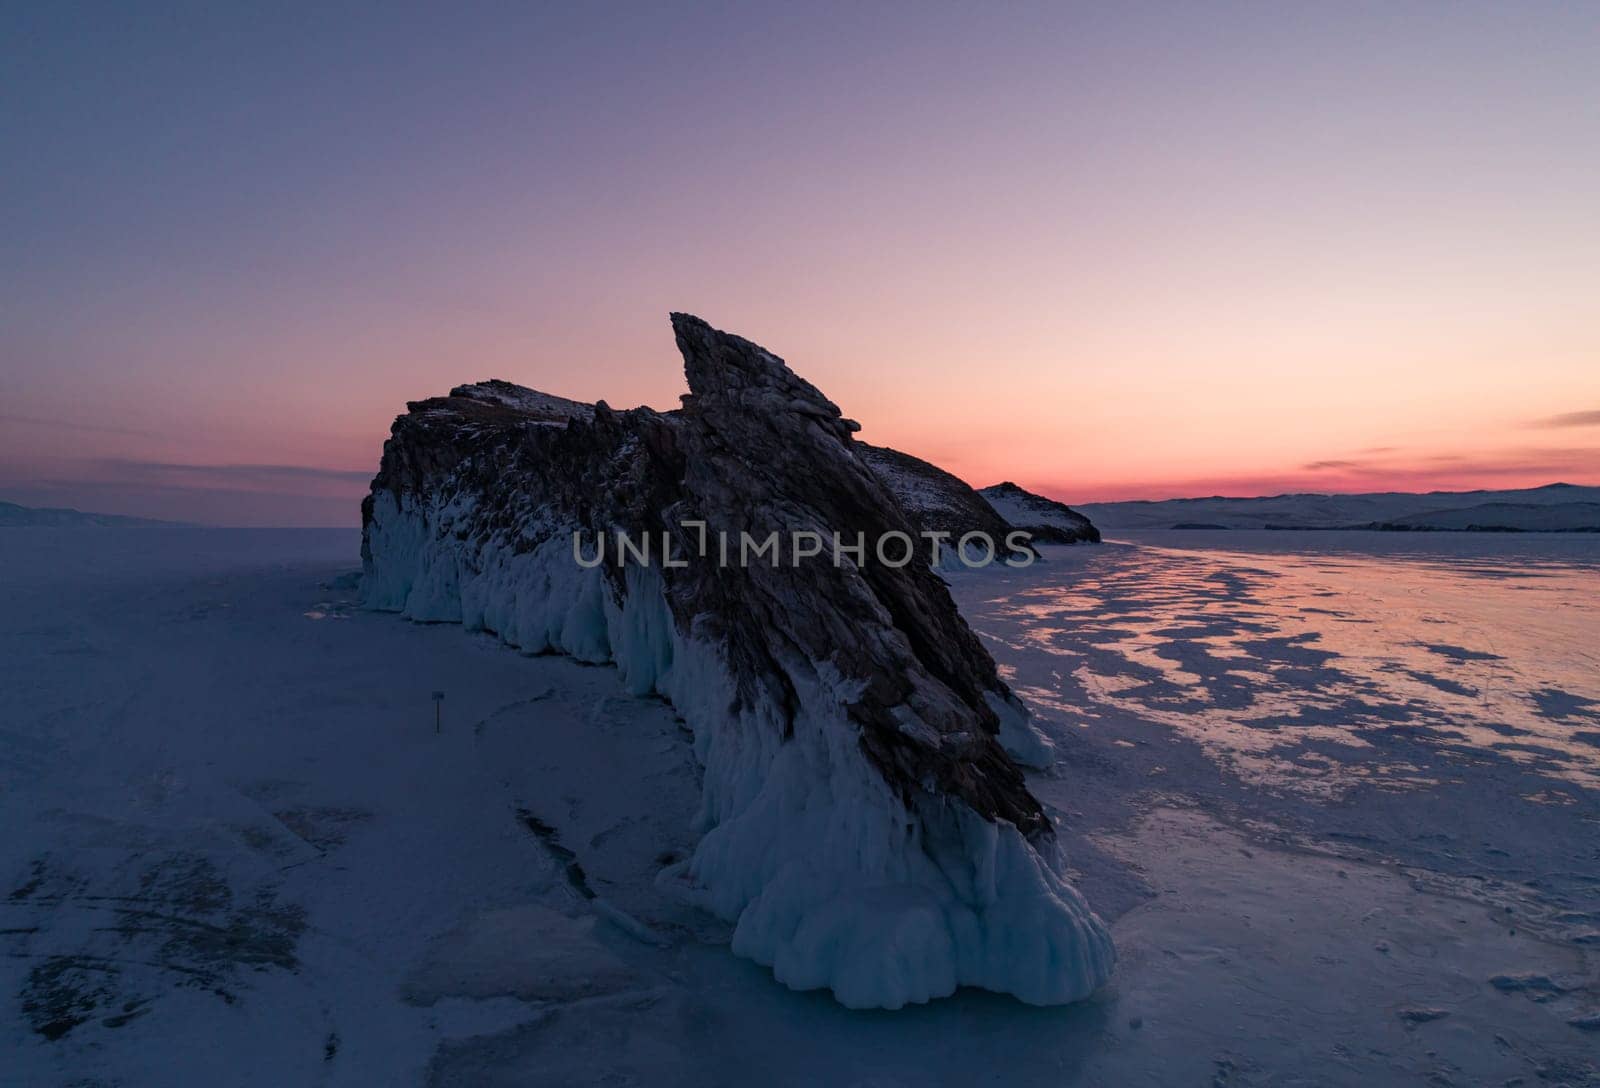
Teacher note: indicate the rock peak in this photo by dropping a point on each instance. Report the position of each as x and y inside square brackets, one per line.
[735, 373]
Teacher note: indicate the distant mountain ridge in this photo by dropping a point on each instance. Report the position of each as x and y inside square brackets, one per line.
[1555, 517]
[1558, 507]
[13, 516]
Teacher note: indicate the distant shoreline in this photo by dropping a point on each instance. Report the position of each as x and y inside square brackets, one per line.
[1375, 527]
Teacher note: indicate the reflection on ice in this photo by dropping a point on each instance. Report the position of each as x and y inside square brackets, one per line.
[1288, 654]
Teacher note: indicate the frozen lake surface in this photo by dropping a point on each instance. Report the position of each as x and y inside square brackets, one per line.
[1337, 793]
[1314, 660]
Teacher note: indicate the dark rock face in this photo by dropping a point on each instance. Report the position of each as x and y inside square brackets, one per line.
[1049, 522]
[848, 720]
[937, 501]
[765, 450]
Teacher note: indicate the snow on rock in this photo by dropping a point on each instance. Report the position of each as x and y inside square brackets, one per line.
[861, 822]
[530, 402]
[938, 502]
[1049, 522]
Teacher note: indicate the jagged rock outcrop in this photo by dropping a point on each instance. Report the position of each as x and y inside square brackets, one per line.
[1048, 521]
[862, 819]
[939, 502]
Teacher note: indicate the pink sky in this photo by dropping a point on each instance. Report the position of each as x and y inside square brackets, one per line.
[1106, 254]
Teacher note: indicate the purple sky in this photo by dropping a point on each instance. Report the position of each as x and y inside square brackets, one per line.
[1104, 250]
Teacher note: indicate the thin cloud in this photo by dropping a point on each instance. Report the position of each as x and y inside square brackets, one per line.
[1324, 466]
[1570, 419]
[70, 425]
[240, 473]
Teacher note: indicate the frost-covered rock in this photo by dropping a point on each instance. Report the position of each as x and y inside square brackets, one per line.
[1049, 522]
[862, 823]
[939, 502]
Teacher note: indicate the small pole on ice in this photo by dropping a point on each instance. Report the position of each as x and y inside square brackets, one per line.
[438, 699]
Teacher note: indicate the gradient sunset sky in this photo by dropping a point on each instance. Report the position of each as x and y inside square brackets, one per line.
[1107, 251]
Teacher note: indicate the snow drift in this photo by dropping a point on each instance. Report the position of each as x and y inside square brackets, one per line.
[863, 823]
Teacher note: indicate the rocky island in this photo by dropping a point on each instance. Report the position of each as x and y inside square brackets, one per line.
[864, 819]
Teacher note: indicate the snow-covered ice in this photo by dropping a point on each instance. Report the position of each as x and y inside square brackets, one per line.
[1338, 798]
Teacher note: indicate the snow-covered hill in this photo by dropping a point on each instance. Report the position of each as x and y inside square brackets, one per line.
[1048, 521]
[14, 516]
[1331, 511]
[937, 501]
[1556, 517]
